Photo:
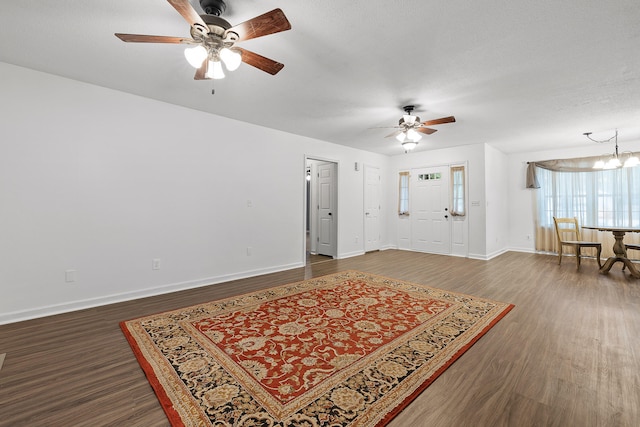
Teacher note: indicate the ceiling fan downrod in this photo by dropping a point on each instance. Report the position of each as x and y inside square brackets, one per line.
[408, 109]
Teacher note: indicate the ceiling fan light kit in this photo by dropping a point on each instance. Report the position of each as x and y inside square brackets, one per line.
[213, 39]
[231, 57]
[215, 70]
[409, 145]
[196, 55]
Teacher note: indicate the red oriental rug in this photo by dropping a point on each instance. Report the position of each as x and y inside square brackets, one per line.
[348, 349]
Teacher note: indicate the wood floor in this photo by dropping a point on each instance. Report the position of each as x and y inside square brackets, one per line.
[568, 354]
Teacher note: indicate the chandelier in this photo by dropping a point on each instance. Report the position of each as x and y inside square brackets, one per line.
[616, 160]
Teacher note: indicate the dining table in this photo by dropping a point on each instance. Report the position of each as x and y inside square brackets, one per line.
[619, 250]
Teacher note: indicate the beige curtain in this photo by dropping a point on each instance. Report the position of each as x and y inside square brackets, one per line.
[546, 238]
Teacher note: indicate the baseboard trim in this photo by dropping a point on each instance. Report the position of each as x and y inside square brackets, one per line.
[487, 257]
[524, 250]
[19, 316]
[350, 254]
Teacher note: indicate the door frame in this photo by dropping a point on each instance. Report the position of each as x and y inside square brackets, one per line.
[336, 217]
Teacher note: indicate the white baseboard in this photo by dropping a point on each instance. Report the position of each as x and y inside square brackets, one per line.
[350, 254]
[487, 257]
[524, 250]
[19, 316]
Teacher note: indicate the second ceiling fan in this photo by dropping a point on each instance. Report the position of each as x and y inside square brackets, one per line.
[213, 40]
[410, 127]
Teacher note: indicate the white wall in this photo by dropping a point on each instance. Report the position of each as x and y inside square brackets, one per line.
[521, 199]
[497, 179]
[102, 182]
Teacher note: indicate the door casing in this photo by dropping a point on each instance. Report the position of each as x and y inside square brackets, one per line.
[310, 207]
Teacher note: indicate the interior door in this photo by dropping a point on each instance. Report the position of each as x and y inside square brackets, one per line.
[430, 220]
[327, 220]
[371, 208]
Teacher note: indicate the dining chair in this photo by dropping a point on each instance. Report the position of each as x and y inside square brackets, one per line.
[628, 246]
[631, 246]
[568, 227]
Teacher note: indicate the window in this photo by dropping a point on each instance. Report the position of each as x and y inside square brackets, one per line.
[608, 197]
[403, 194]
[457, 191]
[429, 176]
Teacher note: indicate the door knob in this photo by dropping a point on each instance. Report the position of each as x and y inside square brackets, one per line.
[446, 216]
[329, 213]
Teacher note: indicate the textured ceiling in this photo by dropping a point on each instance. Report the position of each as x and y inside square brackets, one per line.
[520, 76]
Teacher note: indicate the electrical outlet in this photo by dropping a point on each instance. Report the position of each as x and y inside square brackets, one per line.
[356, 239]
[248, 250]
[155, 264]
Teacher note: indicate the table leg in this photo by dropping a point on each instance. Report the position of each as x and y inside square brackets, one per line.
[620, 255]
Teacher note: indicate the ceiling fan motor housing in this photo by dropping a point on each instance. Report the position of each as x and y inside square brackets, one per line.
[213, 7]
[215, 34]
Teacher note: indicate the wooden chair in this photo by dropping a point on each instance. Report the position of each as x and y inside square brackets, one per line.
[569, 226]
[632, 246]
[627, 247]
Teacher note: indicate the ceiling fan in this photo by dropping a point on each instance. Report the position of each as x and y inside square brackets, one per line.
[213, 40]
[410, 128]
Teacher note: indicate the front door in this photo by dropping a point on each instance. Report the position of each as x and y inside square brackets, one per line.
[430, 225]
[327, 220]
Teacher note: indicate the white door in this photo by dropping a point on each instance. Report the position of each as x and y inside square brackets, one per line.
[327, 220]
[371, 209]
[430, 225]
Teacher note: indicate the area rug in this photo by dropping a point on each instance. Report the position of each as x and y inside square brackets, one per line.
[348, 349]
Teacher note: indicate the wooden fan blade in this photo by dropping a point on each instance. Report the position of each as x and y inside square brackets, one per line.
[201, 73]
[428, 131]
[263, 25]
[441, 121]
[260, 62]
[396, 133]
[143, 38]
[189, 14]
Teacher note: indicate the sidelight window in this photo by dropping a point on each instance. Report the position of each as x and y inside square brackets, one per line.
[457, 191]
[403, 198]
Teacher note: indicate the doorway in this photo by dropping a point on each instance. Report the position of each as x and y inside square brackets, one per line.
[321, 213]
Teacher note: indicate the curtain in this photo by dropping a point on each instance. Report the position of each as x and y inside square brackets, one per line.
[595, 197]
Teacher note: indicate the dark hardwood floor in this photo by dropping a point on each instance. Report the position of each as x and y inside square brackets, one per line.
[568, 354]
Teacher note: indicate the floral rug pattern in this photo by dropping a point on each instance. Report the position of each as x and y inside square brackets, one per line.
[349, 349]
